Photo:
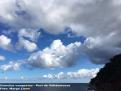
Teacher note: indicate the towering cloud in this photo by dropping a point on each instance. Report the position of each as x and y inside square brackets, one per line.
[57, 55]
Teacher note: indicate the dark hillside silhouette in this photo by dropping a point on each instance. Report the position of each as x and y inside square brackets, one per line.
[109, 77]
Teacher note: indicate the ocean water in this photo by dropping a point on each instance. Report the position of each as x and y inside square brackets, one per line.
[44, 87]
[70, 87]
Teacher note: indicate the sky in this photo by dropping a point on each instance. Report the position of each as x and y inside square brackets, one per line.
[57, 41]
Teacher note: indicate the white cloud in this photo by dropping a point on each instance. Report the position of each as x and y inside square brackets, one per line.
[58, 14]
[82, 73]
[57, 55]
[5, 42]
[26, 44]
[32, 34]
[22, 77]
[116, 2]
[10, 66]
[95, 19]
[2, 58]
[52, 16]
[55, 15]
[100, 49]
[28, 39]
[6, 10]
[5, 78]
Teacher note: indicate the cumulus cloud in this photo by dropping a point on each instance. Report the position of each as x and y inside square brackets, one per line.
[10, 66]
[5, 42]
[2, 58]
[53, 18]
[101, 49]
[55, 15]
[82, 73]
[57, 55]
[98, 20]
[28, 39]
[31, 34]
[26, 44]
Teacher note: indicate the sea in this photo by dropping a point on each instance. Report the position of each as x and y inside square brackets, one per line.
[44, 87]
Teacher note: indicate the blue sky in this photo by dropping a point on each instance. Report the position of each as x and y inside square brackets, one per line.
[60, 40]
[43, 41]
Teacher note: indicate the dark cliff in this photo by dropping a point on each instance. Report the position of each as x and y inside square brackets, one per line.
[109, 77]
